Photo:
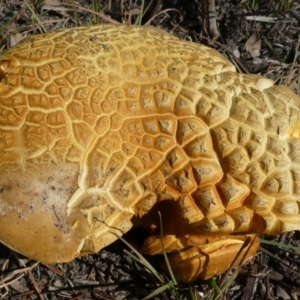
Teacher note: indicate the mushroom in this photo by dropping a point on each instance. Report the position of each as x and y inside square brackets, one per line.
[103, 127]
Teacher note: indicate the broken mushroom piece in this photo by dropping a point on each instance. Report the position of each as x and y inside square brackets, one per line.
[102, 124]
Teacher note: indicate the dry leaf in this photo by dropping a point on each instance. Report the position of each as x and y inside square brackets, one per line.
[52, 2]
[133, 12]
[253, 44]
[15, 39]
[236, 53]
[282, 293]
[294, 85]
[54, 5]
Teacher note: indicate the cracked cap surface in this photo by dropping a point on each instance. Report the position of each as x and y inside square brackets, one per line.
[98, 124]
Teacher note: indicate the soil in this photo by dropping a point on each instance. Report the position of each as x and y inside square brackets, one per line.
[261, 37]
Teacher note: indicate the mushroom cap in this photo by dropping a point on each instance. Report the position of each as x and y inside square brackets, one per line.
[100, 124]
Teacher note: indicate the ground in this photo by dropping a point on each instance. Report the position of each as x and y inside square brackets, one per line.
[259, 37]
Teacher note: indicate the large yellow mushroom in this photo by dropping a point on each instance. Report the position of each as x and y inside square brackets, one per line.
[105, 126]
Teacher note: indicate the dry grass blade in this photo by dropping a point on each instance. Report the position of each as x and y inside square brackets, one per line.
[4, 30]
[282, 247]
[278, 259]
[11, 281]
[247, 244]
[8, 27]
[294, 64]
[251, 284]
[75, 13]
[3, 282]
[226, 281]
[30, 275]
[102, 16]
[160, 13]
[140, 258]
[35, 17]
